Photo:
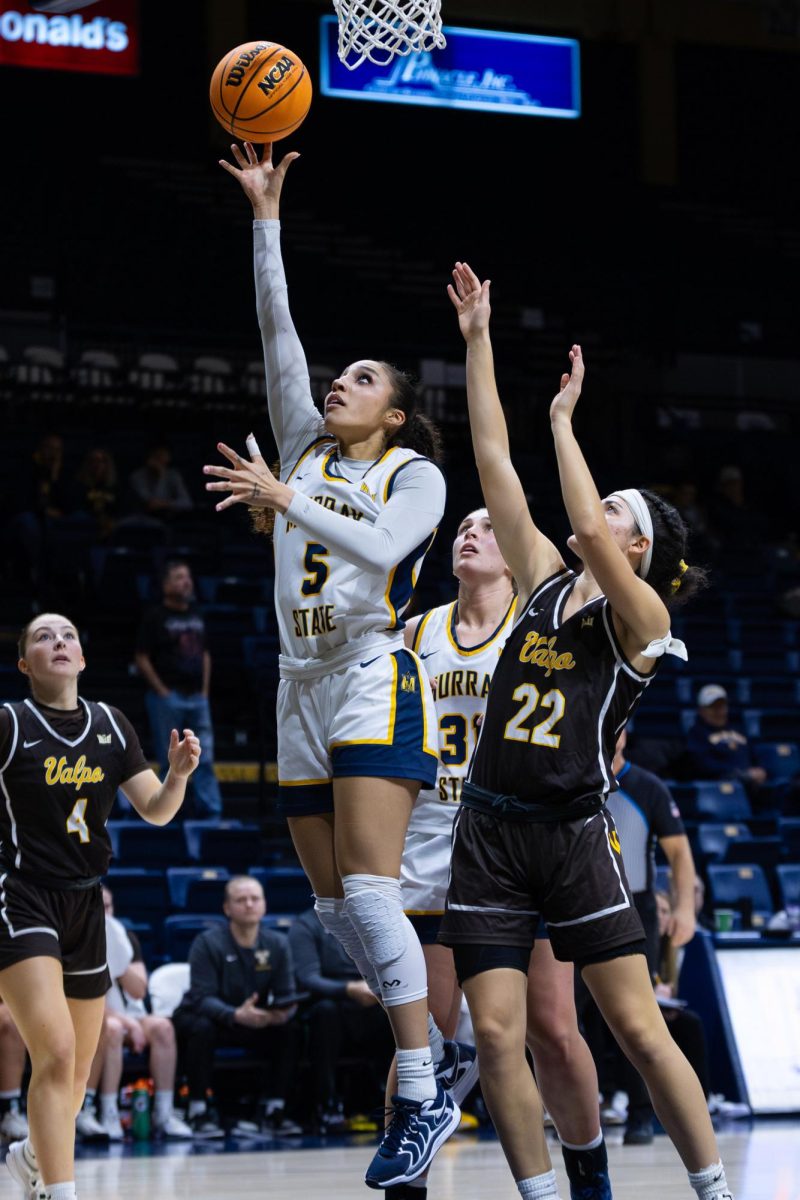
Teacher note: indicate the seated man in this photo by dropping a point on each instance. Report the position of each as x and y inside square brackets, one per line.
[717, 750]
[128, 1024]
[13, 1123]
[242, 993]
[343, 1017]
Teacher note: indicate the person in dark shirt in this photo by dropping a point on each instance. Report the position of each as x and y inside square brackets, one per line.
[343, 1015]
[242, 992]
[62, 759]
[172, 657]
[716, 748]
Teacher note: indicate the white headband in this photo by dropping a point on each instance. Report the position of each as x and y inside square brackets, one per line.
[641, 515]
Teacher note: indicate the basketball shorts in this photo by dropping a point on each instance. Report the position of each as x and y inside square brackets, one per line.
[374, 718]
[424, 874]
[506, 874]
[67, 925]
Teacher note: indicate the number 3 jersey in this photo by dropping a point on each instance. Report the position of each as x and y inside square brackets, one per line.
[59, 776]
[461, 677]
[561, 693]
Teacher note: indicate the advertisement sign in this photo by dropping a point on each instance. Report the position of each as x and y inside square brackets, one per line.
[101, 39]
[482, 69]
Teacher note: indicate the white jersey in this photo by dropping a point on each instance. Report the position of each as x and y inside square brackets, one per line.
[462, 676]
[325, 603]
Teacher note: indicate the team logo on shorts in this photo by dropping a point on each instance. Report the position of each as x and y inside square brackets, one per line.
[408, 682]
[614, 841]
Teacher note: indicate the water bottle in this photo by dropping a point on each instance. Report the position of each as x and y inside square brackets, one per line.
[140, 1108]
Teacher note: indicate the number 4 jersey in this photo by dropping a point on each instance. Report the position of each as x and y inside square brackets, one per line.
[59, 777]
[461, 676]
[560, 695]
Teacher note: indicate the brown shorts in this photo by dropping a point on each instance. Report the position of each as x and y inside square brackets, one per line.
[40, 922]
[505, 875]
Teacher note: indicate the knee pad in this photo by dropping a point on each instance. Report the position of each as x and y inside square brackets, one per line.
[374, 906]
[335, 922]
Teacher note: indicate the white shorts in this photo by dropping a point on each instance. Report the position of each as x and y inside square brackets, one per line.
[375, 719]
[424, 873]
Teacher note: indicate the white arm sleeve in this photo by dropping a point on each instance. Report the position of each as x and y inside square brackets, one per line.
[294, 417]
[412, 513]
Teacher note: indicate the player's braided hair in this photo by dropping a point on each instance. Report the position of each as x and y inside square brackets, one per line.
[669, 575]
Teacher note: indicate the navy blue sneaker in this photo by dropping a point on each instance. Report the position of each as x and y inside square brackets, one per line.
[458, 1071]
[587, 1171]
[417, 1130]
[599, 1189]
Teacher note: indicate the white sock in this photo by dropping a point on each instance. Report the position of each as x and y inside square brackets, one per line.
[162, 1105]
[710, 1183]
[415, 1079]
[436, 1041]
[108, 1105]
[196, 1107]
[28, 1152]
[539, 1187]
[60, 1191]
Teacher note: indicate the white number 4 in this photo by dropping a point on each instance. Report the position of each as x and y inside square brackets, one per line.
[76, 821]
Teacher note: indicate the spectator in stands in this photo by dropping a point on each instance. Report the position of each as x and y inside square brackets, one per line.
[158, 490]
[43, 503]
[173, 658]
[129, 1025]
[13, 1123]
[737, 525]
[716, 749]
[96, 490]
[645, 814]
[342, 1015]
[242, 992]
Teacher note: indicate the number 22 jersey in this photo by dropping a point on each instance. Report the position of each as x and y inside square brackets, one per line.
[560, 695]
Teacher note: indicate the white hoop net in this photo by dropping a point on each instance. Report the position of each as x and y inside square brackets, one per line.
[382, 29]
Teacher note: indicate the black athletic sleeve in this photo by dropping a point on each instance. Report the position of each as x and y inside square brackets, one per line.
[5, 735]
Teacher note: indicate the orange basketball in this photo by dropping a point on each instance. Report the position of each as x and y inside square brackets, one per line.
[260, 92]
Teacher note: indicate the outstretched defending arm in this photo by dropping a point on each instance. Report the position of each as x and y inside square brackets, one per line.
[293, 415]
[529, 554]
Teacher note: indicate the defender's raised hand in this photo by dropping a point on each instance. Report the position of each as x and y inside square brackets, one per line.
[470, 299]
[564, 403]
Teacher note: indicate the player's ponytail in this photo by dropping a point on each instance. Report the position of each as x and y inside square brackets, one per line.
[670, 575]
[418, 431]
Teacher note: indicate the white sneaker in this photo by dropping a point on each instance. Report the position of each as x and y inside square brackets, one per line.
[13, 1126]
[718, 1106]
[616, 1112]
[89, 1128]
[113, 1128]
[20, 1170]
[173, 1127]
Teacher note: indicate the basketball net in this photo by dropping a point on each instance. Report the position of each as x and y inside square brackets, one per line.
[381, 29]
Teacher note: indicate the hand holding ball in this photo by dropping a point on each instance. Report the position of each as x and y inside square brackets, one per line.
[260, 92]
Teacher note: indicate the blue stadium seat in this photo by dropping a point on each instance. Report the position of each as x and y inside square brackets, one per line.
[713, 838]
[742, 887]
[138, 844]
[139, 894]
[146, 937]
[761, 662]
[781, 760]
[232, 843]
[767, 852]
[790, 835]
[181, 929]
[767, 692]
[197, 889]
[775, 725]
[722, 800]
[287, 888]
[788, 876]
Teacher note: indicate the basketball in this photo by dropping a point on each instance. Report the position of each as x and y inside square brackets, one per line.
[260, 92]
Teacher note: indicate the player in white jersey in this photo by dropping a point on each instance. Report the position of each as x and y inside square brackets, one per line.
[460, 644]
[357, 505]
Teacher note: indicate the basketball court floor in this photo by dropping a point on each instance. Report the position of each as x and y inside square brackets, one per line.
[762, 1161]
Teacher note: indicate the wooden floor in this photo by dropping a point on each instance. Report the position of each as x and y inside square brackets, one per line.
[762, 1162]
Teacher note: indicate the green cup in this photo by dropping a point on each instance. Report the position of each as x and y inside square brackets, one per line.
[723, 919]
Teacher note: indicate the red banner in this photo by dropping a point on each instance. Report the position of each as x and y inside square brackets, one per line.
[103, 38]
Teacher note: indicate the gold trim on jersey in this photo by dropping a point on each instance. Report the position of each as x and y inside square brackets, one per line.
[423, 621]
[391, 476]
[342, 478]
[467, 651]
[325, 437]
[302, 782]
[426, 747]
[415, 570]
[387, 741]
